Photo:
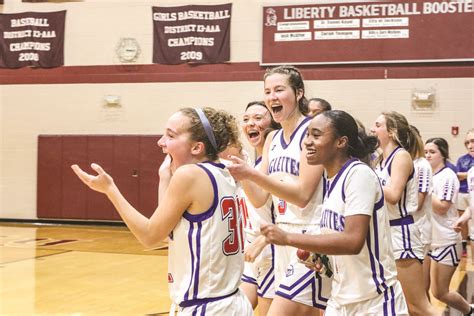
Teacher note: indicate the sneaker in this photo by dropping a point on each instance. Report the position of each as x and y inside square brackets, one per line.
[464, 253]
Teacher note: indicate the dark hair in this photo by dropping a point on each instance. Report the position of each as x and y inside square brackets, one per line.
[295, 80]
[224, 126]
[360, 145]
[326, 106]
[442, 145]
[273, 125]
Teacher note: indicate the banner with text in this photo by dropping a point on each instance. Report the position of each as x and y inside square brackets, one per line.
[368, 32]
[33, 39]
[192, 33]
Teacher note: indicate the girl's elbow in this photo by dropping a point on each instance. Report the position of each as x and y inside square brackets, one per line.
[152, 242]
[356, 249]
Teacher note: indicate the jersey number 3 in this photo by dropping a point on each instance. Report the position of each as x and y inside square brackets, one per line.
[234, 242]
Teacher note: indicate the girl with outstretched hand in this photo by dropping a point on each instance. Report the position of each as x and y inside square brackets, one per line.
[197, 210]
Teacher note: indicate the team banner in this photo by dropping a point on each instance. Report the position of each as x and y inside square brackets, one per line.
[33, 39]
[368, 32]
[191, 34]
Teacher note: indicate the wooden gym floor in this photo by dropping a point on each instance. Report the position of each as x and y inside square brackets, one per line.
[93, 270]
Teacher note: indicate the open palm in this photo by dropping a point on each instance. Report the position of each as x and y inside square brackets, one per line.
[101, 182]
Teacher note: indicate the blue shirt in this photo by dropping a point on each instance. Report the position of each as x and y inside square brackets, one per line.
[464, 163]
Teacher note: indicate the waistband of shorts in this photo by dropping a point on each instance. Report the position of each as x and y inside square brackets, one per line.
[402, 221]
[201, 301]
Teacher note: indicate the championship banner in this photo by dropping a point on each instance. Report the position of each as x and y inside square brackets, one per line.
[33, 39]
[191, 34]
[345, 32]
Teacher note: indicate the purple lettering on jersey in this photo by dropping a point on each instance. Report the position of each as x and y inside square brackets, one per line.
[332, 220]
[285, 165]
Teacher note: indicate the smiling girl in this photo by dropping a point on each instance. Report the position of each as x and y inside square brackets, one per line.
[353, 222]
[258, 280]
[197, 210]
[296, 189]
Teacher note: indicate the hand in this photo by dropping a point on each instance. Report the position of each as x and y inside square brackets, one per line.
[457, 226]
[315, 266]
[239, 169]
[274, 235]
[166, 169]
[252, 251]
[102, 182]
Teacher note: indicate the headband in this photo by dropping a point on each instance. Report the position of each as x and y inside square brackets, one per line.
[207, 127]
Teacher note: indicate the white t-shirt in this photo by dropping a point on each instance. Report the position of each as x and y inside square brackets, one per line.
[446, 188]
[356, 190]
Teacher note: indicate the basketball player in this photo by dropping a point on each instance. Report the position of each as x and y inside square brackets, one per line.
[259, 276]
[198, 212]
[397, 174]
[353, 223]
[446, 245]
[318, 105]
[297, 190]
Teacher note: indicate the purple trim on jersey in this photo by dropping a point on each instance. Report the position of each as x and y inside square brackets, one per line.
[190, 244]
[388, 299]
[198, 260]
[380, 203]
[215, 164]
[202, 301]
[284, 145]
[374, 253]
[338, 175]
[207, 214]
[303, 135]
[440, 170]
[248, 279]
[449, 250]
[257, 161]
[390, 157]
[423, 180]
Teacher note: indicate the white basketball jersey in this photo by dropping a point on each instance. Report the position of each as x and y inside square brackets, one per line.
[356, 190]
[205, 257]
[424, 174]
[446, 188]
[254, 217]
[408, 203]
[284, 165]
